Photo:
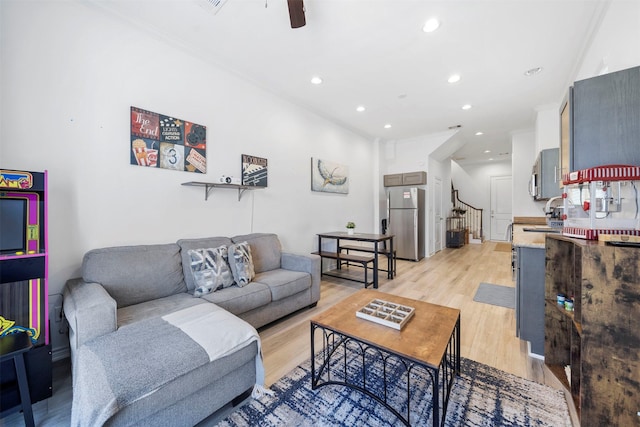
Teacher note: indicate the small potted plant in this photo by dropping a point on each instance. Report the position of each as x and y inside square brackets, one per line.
[350, 227]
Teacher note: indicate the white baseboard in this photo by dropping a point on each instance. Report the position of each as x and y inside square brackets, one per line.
[534, 355]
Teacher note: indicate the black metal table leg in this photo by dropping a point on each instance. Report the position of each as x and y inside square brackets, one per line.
[14, 346]
[442, 378]
[375, 266]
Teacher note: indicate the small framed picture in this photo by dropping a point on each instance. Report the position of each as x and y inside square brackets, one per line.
[254, 171]
[329, 177]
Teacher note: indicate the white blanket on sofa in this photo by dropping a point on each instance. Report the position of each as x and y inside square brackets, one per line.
[218, 332]
[137, 360]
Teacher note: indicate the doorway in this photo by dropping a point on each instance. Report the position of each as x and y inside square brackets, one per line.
[501, 200]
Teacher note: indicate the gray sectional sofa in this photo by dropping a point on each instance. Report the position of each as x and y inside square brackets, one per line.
[145, 351]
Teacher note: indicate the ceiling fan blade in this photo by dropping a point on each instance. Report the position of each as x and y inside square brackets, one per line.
[296, 13]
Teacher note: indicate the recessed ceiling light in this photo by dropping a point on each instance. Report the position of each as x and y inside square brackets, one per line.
[360, 108]
[479, 133]
[487, 151]
[387, 126]
[316, 80]
[533, 71]
[490, 158]
[431, 25]
[454, 78]
[466, 106]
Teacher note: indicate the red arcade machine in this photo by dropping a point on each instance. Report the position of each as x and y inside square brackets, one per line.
[23, 282]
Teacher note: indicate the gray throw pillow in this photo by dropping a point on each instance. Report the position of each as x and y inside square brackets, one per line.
[241, 263]
[210, 270]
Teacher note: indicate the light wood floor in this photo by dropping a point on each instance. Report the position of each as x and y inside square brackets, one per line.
[450, 278]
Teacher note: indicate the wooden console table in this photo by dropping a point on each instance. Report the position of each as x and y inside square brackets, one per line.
[600, 339]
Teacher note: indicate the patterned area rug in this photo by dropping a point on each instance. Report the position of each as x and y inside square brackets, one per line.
[481, 396]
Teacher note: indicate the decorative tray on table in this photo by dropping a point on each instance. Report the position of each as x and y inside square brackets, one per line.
[386, 313]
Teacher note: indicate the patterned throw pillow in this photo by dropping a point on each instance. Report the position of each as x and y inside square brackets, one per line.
[241, 263]
[210, 270]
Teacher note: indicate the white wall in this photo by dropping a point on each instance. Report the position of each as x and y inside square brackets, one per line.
[525, 146]
[616, 43]
[411, 155]
[473, 183]
[547, 128]
[69, 76]
[523, 156]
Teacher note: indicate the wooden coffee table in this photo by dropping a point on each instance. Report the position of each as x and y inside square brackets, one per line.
[430, 340]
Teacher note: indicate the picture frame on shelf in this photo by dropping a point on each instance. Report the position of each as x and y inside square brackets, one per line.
[254, 171]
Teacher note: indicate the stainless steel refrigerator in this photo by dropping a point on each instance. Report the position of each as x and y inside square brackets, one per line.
[406, 220]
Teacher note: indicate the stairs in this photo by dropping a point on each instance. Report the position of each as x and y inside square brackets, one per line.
[472, 216]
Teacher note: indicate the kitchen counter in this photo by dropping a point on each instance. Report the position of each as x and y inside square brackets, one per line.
[530, 235]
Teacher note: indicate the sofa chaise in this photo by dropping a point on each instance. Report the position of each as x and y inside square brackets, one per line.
[151, 346]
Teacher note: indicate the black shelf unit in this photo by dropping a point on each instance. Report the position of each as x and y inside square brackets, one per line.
[455, 231]
[24, 291]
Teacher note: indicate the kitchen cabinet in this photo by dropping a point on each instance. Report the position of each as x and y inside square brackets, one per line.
[544, 180]
[414, 178]
[407, 178]
[566, 124]
[599, 341]
[393, 180]
[606, 120]
[530, 296]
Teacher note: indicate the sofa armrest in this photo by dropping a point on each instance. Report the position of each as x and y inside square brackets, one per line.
[90, 311]
[307, 263]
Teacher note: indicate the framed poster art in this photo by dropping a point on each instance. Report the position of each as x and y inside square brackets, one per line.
[329, 177]
[161, 141]
[254, 171]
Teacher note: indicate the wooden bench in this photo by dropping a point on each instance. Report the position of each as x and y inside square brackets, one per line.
[391, 258]
[346, 259]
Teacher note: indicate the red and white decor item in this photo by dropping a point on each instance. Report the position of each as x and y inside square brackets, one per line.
[602, 200]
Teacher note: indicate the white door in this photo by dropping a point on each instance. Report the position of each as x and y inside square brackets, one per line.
[437, 214]
[500, 206]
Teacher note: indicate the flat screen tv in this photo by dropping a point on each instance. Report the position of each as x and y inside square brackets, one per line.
[13, 225]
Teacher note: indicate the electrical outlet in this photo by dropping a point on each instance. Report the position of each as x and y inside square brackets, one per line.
[57, 318]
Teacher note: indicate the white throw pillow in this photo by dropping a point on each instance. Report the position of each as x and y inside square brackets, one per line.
[241, 263]
[210, 270]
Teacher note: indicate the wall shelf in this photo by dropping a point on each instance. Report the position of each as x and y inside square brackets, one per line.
[208, 186]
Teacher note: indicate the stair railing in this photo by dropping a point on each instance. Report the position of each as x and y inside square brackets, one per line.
[472, 216]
